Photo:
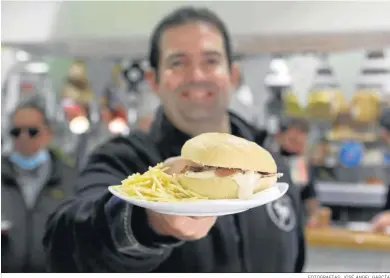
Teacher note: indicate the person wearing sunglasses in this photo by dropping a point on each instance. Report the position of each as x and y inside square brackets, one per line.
[34, 182]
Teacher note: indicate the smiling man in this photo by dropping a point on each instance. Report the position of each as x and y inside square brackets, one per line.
[194, 77]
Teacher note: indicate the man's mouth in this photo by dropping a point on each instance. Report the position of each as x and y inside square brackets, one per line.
[197, 95]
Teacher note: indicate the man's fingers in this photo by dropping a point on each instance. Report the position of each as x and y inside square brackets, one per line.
[381, 222]
[186, 228]
[378, 225]
[378, 228]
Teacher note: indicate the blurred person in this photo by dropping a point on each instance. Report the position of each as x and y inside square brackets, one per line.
[290, 142]
[194, 77]
[381, 222]
[34, 182]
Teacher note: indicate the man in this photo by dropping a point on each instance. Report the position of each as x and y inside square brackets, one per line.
[290, 142]
[194, 76]
[34, 182]
[382, 221]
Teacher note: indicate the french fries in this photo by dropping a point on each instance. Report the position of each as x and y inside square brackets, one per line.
[157, 186]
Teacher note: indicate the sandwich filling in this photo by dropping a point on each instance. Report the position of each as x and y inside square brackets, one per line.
[246, 180]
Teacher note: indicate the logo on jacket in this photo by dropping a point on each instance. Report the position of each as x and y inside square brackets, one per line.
[282, 213]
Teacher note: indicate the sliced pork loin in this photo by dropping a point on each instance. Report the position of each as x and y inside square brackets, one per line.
[219, 171]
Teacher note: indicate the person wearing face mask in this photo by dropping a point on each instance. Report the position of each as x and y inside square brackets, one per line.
[381, 222]
[194, 76]
[290, 142]
[34, 182]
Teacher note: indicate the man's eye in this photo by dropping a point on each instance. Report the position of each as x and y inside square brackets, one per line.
[176, 63]
[212, 61]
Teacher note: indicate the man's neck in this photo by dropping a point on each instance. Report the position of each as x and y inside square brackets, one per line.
[195, 128]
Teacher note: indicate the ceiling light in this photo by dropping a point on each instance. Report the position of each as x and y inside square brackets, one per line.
[22, 56]
[79, 125]
[37, 68]
[118, 126]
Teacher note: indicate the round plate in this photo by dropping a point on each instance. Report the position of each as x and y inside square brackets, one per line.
[208, 207]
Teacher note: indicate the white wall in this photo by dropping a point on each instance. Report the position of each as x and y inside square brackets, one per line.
[28, 20]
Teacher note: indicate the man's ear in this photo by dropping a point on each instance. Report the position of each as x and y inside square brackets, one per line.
[151, 78]
[235, 75]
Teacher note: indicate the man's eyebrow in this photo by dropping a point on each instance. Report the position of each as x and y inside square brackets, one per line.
[175, 56]
[182, 54]
[212, 53]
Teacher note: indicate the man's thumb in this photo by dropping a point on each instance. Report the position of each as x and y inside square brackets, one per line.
[175, 164]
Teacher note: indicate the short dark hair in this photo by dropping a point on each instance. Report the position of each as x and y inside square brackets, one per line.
[182, 16]
[298, 123]
[35, 102]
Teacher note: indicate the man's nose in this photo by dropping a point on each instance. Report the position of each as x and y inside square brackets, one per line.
[196, 73]
[24, 137]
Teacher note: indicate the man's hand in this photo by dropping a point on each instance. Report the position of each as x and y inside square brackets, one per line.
[181, 227]
[381, 222]
[313, 222]
[175, 164]
[320, 218]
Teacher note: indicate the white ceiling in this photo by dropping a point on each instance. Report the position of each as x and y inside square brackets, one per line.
[122, 28]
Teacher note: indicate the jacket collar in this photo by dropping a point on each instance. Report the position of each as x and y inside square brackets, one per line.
[170, 139]
[8, 171]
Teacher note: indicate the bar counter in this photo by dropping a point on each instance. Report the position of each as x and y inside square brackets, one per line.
[344, 238]
[336, 249]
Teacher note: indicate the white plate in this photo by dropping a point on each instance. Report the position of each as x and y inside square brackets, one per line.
[208, 207]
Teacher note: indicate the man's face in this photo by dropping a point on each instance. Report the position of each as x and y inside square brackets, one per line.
[294, 141]
[194, 79]
[29, 131]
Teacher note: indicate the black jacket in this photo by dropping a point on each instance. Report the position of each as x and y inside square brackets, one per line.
[96, 232]
[21, 248]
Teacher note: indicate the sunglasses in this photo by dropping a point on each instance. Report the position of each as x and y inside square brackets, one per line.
[17, 131]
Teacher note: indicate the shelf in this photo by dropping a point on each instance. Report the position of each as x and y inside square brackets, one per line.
[355, 195]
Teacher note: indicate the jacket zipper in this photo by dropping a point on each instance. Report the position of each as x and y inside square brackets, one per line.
[31, 222]
[28, 228]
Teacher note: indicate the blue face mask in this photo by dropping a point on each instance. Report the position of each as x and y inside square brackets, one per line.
[30, 162]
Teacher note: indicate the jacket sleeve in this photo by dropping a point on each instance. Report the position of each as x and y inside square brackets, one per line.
[97, 232]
